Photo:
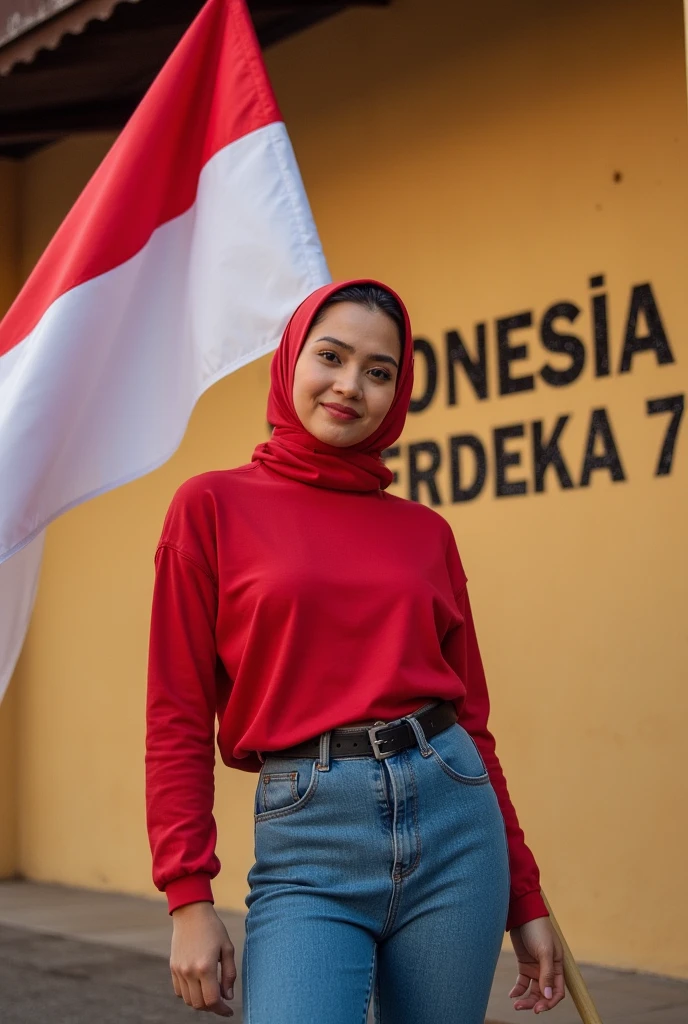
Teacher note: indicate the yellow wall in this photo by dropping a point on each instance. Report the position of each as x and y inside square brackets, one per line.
[485, 162]
[9, 279]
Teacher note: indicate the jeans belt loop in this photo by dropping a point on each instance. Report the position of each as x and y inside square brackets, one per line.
[421, 738]
[323, 764]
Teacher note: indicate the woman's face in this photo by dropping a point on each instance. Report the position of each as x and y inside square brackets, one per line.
[349, 359]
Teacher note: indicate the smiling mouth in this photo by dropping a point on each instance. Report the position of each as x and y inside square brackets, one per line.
[339, 413]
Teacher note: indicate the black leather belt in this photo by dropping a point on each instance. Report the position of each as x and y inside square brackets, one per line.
[380, 740]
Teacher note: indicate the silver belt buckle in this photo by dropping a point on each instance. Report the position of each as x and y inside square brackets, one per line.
[380, 755]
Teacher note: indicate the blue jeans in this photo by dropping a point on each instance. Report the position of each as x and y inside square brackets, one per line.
[386, 877]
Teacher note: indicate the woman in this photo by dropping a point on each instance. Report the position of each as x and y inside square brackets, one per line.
[327, 624]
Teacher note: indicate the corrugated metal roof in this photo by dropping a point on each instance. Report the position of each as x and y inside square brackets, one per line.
[20, 16]
[34, 25]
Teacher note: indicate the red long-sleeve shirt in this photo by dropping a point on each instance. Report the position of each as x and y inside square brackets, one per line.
[284, 610]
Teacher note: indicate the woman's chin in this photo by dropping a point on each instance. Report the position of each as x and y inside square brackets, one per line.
[338, 437]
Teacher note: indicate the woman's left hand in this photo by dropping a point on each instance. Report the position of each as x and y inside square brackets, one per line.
[540, 966]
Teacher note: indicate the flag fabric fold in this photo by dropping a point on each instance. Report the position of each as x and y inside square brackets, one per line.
[180, 262]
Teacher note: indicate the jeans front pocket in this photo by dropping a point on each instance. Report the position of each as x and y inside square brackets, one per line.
[284, 789]
[277, 790]
[455, 751]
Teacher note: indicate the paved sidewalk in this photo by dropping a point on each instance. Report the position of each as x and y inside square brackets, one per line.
[73, 956]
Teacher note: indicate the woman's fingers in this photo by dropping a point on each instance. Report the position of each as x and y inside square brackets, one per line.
[530, 999]
[559, 987]
[210, 993]
[555, 992]
[200, 990]
[186, 996]
[176, 984]
[546, 978]
[541, 996]
[228, 970]
[551, 975]
[521, 986]
[196, 994]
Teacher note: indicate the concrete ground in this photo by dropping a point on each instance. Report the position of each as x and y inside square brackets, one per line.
[72, 956]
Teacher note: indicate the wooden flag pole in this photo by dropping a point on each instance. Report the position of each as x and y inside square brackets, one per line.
[574, 979]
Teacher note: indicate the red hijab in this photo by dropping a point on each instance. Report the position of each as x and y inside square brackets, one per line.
[292, 450]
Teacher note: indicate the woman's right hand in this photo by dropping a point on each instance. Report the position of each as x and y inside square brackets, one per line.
[199, 942]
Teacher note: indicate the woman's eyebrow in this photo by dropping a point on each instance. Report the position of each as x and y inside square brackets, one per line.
[380, 358]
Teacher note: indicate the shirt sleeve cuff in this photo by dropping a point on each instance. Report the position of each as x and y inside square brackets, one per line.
[188, 889]
[526, 908]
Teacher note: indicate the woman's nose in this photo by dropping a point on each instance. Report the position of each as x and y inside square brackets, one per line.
[348, 385]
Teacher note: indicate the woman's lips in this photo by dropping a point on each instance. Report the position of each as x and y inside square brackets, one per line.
[339, 413]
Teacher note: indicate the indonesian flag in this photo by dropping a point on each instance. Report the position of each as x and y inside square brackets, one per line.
[180, 262]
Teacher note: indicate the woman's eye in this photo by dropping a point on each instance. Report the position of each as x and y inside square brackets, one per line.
[376, 370]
